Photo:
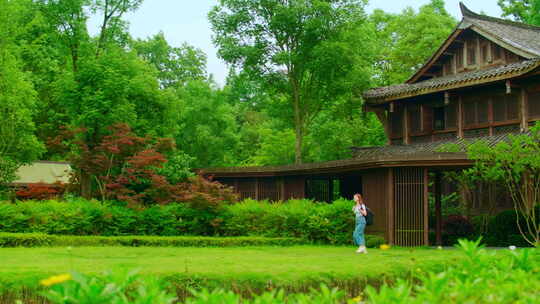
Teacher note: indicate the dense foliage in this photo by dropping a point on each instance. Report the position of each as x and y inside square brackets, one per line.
[527, 11]
[315, 222]
[55, 76]
[514, 164]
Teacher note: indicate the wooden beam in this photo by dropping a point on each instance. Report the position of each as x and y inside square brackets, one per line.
[524, 111]
[257, 188]
[406, 138]
[426, 207]
[390, 206]
[460, 117]
[490, 115]
[438, 208]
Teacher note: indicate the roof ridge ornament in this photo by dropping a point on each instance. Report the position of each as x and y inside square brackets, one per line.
[465, 11]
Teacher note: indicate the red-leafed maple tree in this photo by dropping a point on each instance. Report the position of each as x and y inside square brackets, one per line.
[125, 167]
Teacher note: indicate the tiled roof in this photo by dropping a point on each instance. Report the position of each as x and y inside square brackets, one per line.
[453, 81]
[424, 148]
[518, 35]
[520, 38]
[370, 157]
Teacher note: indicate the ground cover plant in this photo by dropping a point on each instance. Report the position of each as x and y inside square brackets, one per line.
[475, 275]
[243, 270]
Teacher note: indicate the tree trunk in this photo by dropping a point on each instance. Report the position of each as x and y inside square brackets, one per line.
[86, 185]
[298, 144]
[298, 123]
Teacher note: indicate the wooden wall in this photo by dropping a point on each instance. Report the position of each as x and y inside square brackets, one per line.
[375, 188]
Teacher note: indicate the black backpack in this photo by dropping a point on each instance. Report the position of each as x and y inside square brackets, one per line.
[369, 217]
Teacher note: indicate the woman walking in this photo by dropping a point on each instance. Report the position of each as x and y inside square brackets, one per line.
[360, 211]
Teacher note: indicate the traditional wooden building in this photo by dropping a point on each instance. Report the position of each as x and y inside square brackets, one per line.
[482, 83]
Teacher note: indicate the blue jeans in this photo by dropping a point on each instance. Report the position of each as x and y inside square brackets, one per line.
[358, 234]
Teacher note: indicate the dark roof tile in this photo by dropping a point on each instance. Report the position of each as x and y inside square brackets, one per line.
[453, 81]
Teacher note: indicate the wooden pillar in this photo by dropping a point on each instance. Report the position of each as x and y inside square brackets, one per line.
[257, 188]
[524, 111]
[281, 185]
[406, 139]
[490, 115]
[460, 117]
[330, 190]
[438, 208]
[426, 207]
[390, 207]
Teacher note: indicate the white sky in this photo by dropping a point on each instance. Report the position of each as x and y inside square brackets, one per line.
[186, 21]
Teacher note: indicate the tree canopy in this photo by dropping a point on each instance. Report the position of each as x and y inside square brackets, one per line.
[297, 71]
[526, 11]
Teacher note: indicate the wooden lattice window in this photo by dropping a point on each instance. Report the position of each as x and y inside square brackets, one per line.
[471, 53]
[534, 104]
[512, 106]
[451, 114]
[427, 118]
[447, 68]
[269, 189]
[505, 107]
[415, 118]
[396, 122]
[496, 52]
[319, 190]
[469, 113]
[459, 58]
[482, 111]
[475, 112]
[499, 108]
[484, 52]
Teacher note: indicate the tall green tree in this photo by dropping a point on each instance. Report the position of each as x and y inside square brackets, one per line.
[175, 65]
[18, 143]
[208, 129]
[526, 11]
[406, 40]
[112, 24]
[302, 49]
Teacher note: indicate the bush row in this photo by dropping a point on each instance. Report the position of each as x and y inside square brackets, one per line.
[40, 239]
[314, 222]
[500, 230]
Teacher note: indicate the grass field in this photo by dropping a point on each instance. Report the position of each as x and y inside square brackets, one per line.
[284, 264]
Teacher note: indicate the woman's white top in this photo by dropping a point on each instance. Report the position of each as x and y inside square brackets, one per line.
[356, 209]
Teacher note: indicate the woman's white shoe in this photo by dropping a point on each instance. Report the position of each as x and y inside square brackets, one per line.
[361, 249]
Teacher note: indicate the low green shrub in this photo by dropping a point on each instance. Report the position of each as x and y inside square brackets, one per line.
[42, 240]
[134, 289]
[514, 273]
[82, 217]
[315, 222]
[503, 230]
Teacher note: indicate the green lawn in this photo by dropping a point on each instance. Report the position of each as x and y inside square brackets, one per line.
[284, 264]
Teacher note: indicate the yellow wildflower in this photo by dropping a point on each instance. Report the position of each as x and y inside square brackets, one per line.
[356, 300]
[385, 247]
[55, 280]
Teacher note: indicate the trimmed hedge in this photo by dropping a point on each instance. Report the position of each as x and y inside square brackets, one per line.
[82, 217]
[317, 222]
[44, 240]
[320, 223]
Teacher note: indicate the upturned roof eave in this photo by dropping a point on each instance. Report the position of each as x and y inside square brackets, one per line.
[383, 99]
